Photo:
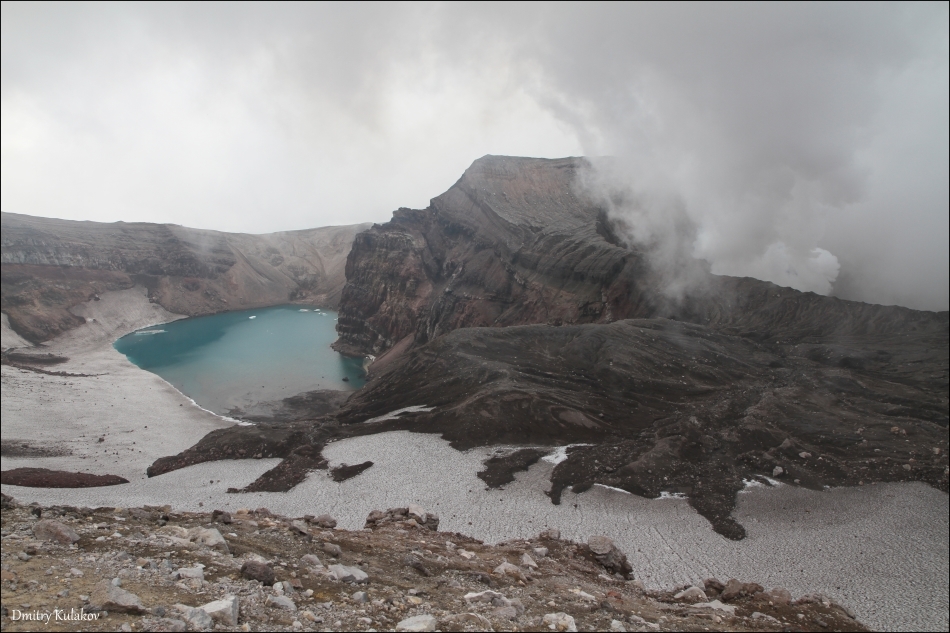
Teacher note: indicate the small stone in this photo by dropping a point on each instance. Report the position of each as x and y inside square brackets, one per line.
[300, 527]
[360, 597]
[125, 628]
[527, 561]
[280, 602]
[256, 570]
[715, 605]
[617, 625]
[49, 530]
[333, 550]
[906, 467]
[756, 615]
[507, 569]
[804, 454]
[559, 621]
[693, 594]
[459, 620]
[418, 623]
[552, 534]
[777, 471]
[540, 552]
[414, 600]
[505, 613]
[223, 611]
[482, 596]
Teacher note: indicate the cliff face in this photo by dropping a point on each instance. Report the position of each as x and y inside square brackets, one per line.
[51, 265]
[509, 243]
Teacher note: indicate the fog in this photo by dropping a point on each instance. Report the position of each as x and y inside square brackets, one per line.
[802, 144]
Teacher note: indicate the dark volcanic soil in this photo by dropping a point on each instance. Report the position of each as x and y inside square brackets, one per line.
[45, 478]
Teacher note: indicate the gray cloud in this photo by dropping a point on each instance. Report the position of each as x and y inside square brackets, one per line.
[803, 144]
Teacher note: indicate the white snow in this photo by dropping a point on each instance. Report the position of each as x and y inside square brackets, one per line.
[394, 415]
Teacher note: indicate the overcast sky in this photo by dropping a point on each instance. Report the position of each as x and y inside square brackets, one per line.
[803, 144]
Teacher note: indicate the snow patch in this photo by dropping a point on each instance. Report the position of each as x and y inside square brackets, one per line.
[670, 495]
[560, 454]
[148, 332]
[252, 317]
[394, 415]
[626, 492]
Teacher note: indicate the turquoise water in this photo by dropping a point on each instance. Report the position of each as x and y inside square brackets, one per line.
[235, 359]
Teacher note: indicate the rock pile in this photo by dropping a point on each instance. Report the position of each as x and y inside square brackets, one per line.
[157, 570]
[412, 516]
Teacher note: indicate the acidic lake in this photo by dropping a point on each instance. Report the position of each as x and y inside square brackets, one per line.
[230, 361]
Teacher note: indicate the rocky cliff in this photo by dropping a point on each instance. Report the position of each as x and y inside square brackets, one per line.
[513, 242]
[50, 265]
[738, 381]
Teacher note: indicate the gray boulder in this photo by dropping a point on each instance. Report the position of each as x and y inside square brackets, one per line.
[49, 530]
[110, 597]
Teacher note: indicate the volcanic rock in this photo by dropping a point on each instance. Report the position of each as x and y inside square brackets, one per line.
[49, 530]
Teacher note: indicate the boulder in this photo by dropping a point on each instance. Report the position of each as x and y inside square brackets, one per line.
[190, 572]
[692, 594]
[606, 553]
[325, 521]
[780, 595]
[110, 597]
[209, 537]
[311, 560]
[600, 545]
[416, 512]
[256, 570]
[559, 621]
[224, 611]
[197, 619]
[732, 590]
[332, 549]
[345, 573]
[49, 530]
[418, 623]
[300, 527]
[713, 587]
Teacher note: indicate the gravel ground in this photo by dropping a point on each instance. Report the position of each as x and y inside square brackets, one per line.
[881, 550]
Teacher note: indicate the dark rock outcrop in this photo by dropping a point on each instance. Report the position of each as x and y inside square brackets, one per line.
[46, 478]
[735, 380]
[50, 265]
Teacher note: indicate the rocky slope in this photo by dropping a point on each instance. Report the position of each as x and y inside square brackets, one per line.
[738, 379]
[51, 265]
[157, 570]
